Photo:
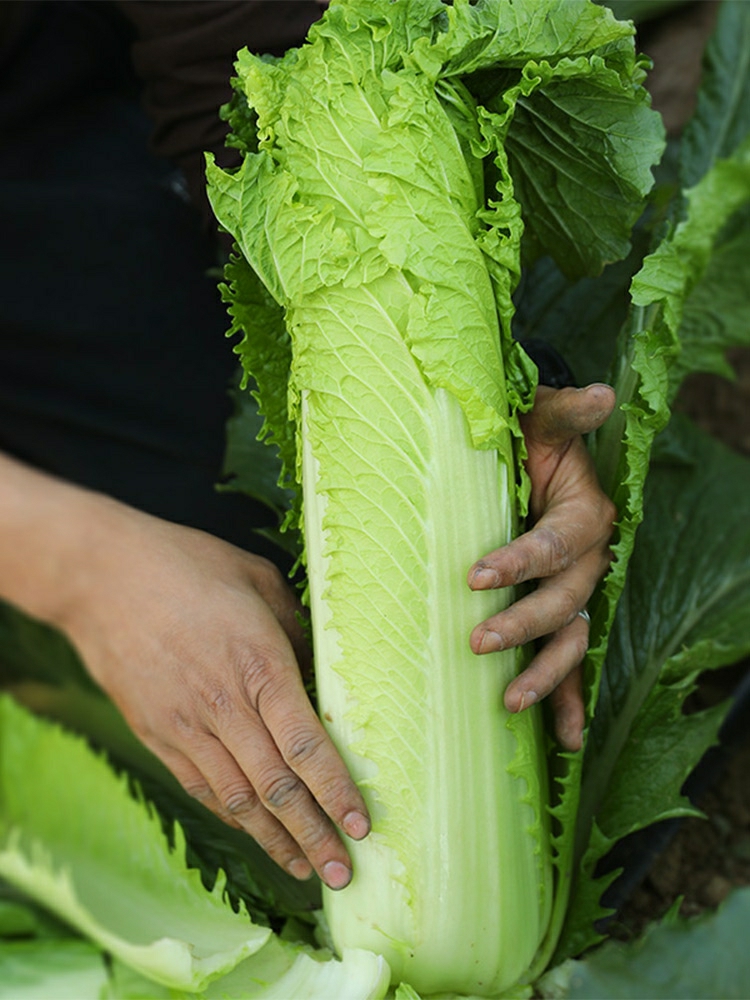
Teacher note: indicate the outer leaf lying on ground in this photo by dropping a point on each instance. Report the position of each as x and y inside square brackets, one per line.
[89, 852]
[97, 857]
[698, 959]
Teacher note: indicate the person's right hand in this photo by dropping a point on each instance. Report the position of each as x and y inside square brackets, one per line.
[198, 644]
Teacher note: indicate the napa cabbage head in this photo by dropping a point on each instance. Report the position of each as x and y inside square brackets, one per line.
[390, 164]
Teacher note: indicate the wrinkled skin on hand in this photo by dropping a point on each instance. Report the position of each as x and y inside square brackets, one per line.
[199, 645]
[566, 550]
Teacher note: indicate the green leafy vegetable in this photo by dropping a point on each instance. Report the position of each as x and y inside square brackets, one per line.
[642, 691]
[92, 855]
[676, 960]
[397, 171]
[256, 881]
[365, 214]
[722, 118]
[65, 969]
[657, 649]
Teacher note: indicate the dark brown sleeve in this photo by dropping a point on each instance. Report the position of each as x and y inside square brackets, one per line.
[184, 54]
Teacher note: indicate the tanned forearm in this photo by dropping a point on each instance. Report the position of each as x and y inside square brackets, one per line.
[45, 526]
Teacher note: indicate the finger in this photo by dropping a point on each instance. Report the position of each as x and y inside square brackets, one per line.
[279, 743]
[268, 718]
[308, 751]
[552, 664]
[191, 780]
[565, 534]
[214, 766]
[283, 794]
[552, 606]
[567, 707]
[561, 414]
[285, 605]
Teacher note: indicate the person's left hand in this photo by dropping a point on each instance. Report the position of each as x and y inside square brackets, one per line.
[567, 550]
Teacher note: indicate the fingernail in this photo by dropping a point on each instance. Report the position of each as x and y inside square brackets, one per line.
[527, 699]
[484, 577]
[336, 875]
[491, 642]
[300, 868]
[356, 825]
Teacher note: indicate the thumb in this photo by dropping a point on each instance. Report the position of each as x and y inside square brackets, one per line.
[560, 414]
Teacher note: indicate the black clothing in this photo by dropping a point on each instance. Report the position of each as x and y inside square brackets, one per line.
[113, 366]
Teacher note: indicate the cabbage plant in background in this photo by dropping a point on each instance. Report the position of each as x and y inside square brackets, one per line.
[420, 180]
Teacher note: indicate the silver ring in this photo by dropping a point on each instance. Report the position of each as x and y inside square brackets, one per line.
[586, 616]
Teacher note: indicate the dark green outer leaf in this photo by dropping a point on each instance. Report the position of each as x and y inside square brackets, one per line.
[676, 960]
[580, 152]
[32, 650]
[685, 609]
[722, 118]
[622, 453]
[580, 319]
[717, 313]
[250, 465]
[693, 551]
[577, 841]
[16, 919]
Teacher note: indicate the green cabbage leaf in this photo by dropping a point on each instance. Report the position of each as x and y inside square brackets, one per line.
[96, 857]
[91, 854]
[407, 159]
[411, 175]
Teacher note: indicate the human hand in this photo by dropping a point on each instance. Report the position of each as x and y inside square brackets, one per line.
[567, 550]
[199, 645]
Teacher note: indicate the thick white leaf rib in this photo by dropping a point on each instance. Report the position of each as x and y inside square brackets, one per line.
[399, 709]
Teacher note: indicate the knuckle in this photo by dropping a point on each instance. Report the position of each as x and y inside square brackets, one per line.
[608, 518]
[302, 747]
[216, 700]
[182, 724]
[556, 549]
[522, 634]
[569, 604]
[579, 647]
[257, 677]
[277, 846]
[517, 628]
[280, 791]
[267, 576]
[610, 510]
[198, 790]
[571, 649]
[517, 566]
[239, 800]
